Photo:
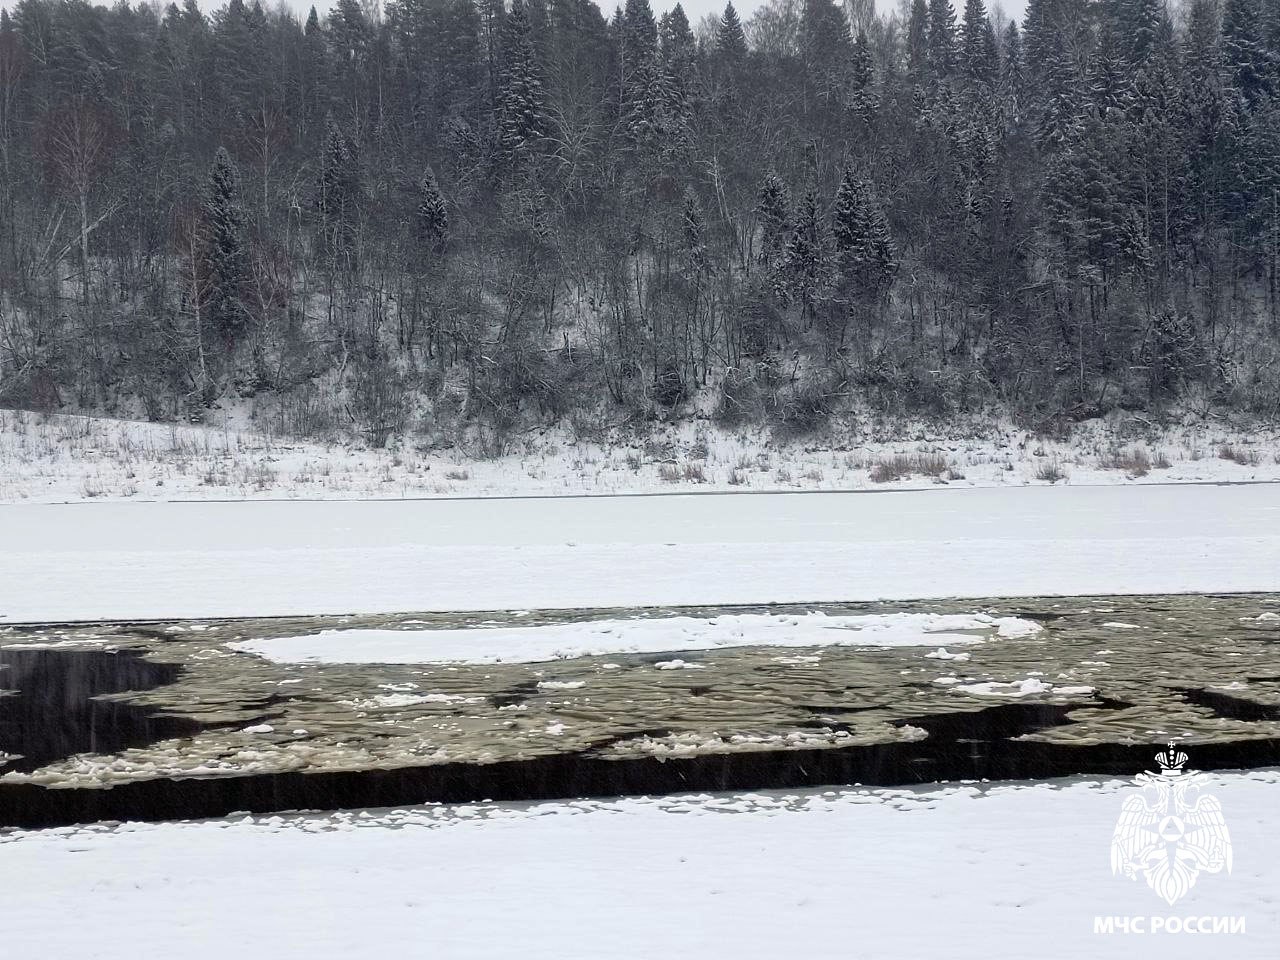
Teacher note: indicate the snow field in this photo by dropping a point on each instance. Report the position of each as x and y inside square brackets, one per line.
[1014, 870]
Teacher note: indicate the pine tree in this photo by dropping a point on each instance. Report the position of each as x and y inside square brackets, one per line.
[233, 39]
[1141, 24]
[863, 244]
[1085, 197]
[942, 39]
[1263, 178]
[314, 73]
[1271, 42]
[1236, 162]
[1207, 108]
[679, 67]
[641, 82]
[773, 209]
[918, 39]
[1038, 36]
[337, 181]
[1011, 62]
[862, 98]
[978, 56]
[1159, 144]
[693, 228]
[990, 55]
[1058, 94]
[826, 47]
[645, 120]
[432, 215]
[1110, 81]
[338, 195]
[975, 155]
[1243, 49]
[731, 41]
[351, 38]
[460, 62]
[521, 99]
[226, 260]
[805, 266]
[349, 31]
[639, 38]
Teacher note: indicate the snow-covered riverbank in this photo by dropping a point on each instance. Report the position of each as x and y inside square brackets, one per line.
[62, 458]
[1015, 870]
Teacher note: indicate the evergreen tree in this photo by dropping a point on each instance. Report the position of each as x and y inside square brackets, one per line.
[827, 48]
[731, 41]
[338, 195]
[1039, 36]
[773, 209]
[226, 260]
[863, 244]
[1110, 82]
[639, 38]
[862, 98]
[1056, 33]
[806, 266]
[641, 90]
[1158, 147]
[1263, 179]
[1207, 107]
[942, 39]
[645, 120]
[233, 39]
[1140, 28]
[679, 67]
[1270, 28]
[521, 99]
[432, 214]
[1084, 194]
[978, 55]
[336, 172]
[1012, 74]
[1243, 48]
[918, 39]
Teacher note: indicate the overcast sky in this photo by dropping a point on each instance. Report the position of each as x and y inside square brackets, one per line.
[696, 9]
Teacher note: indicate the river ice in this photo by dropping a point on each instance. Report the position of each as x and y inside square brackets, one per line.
[974, 871]
[559, 641]
[152, 560]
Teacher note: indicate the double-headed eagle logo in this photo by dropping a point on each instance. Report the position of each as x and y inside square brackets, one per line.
[1172, 831]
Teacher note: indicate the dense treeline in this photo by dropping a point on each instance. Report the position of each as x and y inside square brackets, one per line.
[464, 209]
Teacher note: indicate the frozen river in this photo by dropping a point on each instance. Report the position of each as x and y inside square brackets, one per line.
[142, 560]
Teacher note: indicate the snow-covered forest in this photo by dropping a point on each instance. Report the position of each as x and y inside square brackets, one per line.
[464, 211]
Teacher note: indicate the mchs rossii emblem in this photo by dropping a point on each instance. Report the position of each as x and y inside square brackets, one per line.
[1172, 831]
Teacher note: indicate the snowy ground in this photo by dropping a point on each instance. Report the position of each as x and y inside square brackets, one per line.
[1013, 870]
[138, 560]
[562, 641]
[62, 458]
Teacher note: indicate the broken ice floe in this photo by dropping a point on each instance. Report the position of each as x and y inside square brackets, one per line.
[1020, 688]
[491, 645]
